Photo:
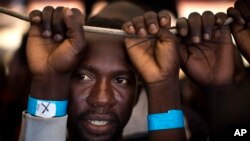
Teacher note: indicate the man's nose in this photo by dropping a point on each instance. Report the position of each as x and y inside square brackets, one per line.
[101, 95]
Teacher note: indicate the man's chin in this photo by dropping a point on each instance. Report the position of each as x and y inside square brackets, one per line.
[91, 137]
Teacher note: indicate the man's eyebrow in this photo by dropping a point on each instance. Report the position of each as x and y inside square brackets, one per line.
[89, 68]
[122, 72]
[96, 70]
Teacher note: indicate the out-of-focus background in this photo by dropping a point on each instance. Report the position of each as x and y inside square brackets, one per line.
[14, 74]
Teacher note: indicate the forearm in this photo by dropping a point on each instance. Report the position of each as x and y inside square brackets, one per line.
[50, 87]
[162, 97]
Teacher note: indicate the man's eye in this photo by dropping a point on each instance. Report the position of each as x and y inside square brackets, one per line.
[121, 80]
[84, 77]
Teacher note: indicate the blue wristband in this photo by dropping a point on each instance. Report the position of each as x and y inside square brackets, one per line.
[47, 108]
[162, 121]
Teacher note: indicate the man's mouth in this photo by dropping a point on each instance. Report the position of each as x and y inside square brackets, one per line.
[98, 122]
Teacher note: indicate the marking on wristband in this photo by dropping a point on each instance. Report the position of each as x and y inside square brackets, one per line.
[45, 107]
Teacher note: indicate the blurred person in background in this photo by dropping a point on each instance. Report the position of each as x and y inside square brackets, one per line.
[14, 100]
[11, 29]
[94, 6]
[218, 81]
[40, 4]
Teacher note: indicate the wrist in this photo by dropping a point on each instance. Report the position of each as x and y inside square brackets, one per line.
[50, 87]
[164, 95]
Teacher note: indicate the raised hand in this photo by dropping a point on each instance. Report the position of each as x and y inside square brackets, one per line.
[54, 48]
[241, 26]
[157, 57]
[157, 61]
[206, 48]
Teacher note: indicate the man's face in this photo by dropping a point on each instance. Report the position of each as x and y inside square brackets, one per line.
[103, 93]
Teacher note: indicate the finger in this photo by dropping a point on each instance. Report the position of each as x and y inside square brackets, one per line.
[221, 18]
[139, 25]
[182, 26]
[164, 18]
[151, 20]
[235, 14]
[128, 27]
[247, 3]
[208, 21]
[75, 32]
[242, 7]
[58, 25]
[47, 14]
[80, 16]
[35, 16]
[194, 22]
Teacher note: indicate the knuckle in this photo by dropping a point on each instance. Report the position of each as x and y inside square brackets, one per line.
[59, 7]
[221, 15]
[163, 13]
[138, 21]
[126, 24]
[207, 13]
[48, 8]
[231, 9]
[150, 14]
[182, 20]
[194, 15]
[76, 11]
[35, 13]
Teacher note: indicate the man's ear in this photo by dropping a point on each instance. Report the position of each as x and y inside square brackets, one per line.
[138, 92]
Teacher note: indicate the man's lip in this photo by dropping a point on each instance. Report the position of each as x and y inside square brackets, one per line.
[98, 124]
[100, 117]
[90, 126]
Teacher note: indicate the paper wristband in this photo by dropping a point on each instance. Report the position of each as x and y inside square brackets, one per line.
[162, 121]
[47, 108]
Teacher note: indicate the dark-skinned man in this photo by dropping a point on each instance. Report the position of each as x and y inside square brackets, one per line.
[97, 78]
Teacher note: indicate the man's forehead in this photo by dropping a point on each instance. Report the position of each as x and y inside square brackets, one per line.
[109, 48]
[98, 41]
[106, 56]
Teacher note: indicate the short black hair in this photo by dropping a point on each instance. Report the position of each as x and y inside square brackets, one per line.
[105, 22]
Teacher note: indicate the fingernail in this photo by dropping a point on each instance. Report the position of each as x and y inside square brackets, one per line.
[131, 29]
[219, 21]
[153, 28]
[46, 33]
[206, 36]
[196, 39]
[142, 32]
[68, 12]
[164, 21]
[242, 21]
[58, 37]
[36, 19]
[183, 31]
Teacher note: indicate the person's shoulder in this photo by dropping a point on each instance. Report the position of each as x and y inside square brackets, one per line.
[137, 137]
